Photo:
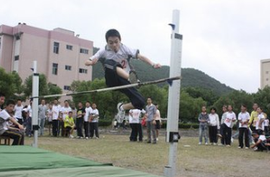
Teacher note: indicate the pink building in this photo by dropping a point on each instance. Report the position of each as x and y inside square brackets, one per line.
[60, 55]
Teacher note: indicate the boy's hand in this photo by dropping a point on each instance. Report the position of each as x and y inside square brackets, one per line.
[21, 127]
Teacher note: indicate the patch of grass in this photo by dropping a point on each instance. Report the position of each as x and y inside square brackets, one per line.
[192, 161]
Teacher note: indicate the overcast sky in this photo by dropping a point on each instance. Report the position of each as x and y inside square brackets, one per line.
[226, 39]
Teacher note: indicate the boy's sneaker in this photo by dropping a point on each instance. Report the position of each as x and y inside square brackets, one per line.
[246, 147]
[206, 144]
[86, 138]
[200, 143]
[71, 136]
[219, 135]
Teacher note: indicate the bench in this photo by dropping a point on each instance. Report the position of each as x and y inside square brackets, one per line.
[6, 140]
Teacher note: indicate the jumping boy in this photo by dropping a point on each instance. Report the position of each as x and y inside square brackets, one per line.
[117, 69]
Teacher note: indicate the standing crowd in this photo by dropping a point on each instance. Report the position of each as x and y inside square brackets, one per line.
[252, 129]
[150, 117]
[16, 119]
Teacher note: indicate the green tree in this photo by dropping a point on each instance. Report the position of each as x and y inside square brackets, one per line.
[10, 84]
[190, 107]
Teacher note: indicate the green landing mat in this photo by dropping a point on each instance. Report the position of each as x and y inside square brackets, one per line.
[26, 161]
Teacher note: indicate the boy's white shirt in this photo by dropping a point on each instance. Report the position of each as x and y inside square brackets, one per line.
[134, 116]
[243, 117]
[18, 111]
[65, 110]
[214, 120]
[56, 110]
[5, 116]
[262, 137]
[230, 116]
[260, 116]
[95, 112]
[120, 56]
[88, 111]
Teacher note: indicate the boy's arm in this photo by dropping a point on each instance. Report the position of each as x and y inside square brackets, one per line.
[147, 60]
[13, 120]
[91, 62]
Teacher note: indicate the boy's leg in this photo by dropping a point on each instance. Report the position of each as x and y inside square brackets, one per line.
[15, 135]
[149, 131]
[91, 130]
[206, 134]
[154, 132]
[140, 132]
[200, 134]
[240, 137]
[214, 134]
[246, 131]
[211, 134]
[96, 129]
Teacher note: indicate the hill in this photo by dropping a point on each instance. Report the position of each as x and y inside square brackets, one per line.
[191, 77]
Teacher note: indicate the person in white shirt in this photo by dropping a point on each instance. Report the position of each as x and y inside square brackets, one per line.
[55, 117]
[260, 122]
[134, 119]
[230, 118]
[86, 122]
[260, 142]
[42, 111]
[63, 114]
[94, 116]
[18, 111]
[243, 118]
[213, 126]
[16, 134]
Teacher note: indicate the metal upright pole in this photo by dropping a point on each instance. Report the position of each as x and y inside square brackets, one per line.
[174, 96]
[35, 93]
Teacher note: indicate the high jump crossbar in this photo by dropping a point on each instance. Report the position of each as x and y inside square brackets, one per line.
[168, 80]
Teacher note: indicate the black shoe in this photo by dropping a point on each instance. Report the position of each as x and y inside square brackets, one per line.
[148, 141]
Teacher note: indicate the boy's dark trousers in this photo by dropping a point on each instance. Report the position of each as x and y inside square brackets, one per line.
[243, 131]
[79, 124]
[221, 131]
[94, 129]
[55, 127]
[133, 135]
[227, 134]
[140, 131]
[17, 136]
[213, 134]
[86, 129]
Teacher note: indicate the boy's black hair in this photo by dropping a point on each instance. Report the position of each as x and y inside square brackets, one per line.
[213, 108]
[112, 33]
[19, 99]
[10, 102]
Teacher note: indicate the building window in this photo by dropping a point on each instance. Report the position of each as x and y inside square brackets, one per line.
[55, 68]
[16, 58]
[67, 67]
[266, 72]
[66, 87]
[267, 79]
[69, 47]
[81, 70]
[85, 51]
[56, 47]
